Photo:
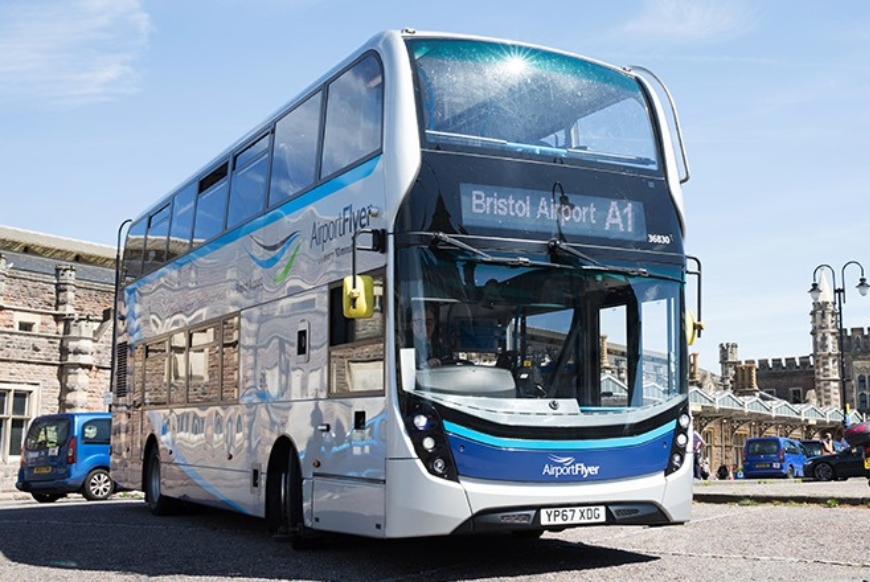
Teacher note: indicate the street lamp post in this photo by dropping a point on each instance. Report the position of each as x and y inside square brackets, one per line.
[840, 297]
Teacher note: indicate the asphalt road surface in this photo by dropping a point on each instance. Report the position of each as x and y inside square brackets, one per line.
[119, 540]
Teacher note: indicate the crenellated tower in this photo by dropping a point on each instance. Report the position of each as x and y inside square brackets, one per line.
[826, 348]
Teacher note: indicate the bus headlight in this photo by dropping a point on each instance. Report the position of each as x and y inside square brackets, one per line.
[423, 423]
[420, 421]
[680, 443]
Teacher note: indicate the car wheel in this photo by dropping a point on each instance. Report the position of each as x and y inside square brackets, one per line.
[789, 474]
[46, 497]
[98, 485]
[823, 472]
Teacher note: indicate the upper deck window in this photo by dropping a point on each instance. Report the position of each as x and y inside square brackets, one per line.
[354, 115]
[248, 187]
[522, 101]
[294, 164]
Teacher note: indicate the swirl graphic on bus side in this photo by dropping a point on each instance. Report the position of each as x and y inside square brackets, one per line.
[277, 251]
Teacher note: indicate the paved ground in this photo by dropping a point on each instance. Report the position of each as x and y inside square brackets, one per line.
[853, 491]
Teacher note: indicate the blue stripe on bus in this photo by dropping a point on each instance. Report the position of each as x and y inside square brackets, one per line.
[547, 445]
[505, 459]
[350, 177]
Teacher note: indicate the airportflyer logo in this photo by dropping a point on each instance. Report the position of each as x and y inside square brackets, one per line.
[277, 253]
[568, 467]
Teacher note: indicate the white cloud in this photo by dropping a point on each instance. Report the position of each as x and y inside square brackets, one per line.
[70, 52]
[691, 20]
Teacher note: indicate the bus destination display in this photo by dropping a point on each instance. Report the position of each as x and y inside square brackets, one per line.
[503, 208]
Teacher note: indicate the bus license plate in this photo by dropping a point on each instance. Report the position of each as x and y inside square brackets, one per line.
[41, 470]
[573, 515]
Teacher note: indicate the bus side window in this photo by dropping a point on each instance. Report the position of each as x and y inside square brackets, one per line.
[211, 205]
[356, 346]
[294, 157]
[204, 364]
[230, 359]
[182, 222]
[156, 373]
[134, 250]
[156, 240]
[354, 115]
[248, 185]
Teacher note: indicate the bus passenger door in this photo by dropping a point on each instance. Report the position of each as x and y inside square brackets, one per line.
[348, 493]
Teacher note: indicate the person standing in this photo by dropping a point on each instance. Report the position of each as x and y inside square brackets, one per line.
[827, 444]
[698, 448]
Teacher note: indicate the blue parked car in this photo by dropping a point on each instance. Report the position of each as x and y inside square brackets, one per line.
[773, 457]
[67, 453]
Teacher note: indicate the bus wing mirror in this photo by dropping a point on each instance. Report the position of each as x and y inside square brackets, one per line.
[693, 327]
[358, 299]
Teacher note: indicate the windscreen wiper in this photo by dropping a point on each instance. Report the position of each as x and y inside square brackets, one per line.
[439, 238]
[555, 245]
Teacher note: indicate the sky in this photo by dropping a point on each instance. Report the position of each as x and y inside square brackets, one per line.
[107, 105]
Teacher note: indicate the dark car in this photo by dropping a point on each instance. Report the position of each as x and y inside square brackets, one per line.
[814, 447]
[836, 467]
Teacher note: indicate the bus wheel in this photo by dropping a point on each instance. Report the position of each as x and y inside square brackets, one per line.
[98, 485]
[158, 503]
[285, 502]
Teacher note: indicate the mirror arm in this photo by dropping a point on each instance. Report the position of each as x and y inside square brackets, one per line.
[697, 273]
[379, 238]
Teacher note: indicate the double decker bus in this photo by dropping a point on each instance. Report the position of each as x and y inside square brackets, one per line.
[443, 291]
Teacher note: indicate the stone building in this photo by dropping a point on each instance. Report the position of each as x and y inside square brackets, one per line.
[55, 332]
[799, 397]
[812, 379]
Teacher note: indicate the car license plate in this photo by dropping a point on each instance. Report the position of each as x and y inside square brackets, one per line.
[573, 515]
[41, 470]
[762, 466]
[867, 463]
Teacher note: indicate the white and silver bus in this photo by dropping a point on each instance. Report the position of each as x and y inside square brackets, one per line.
[519, 206]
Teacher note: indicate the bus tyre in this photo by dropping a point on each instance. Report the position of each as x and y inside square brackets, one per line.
[158, 503]
[286, 521]
[98, 485]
